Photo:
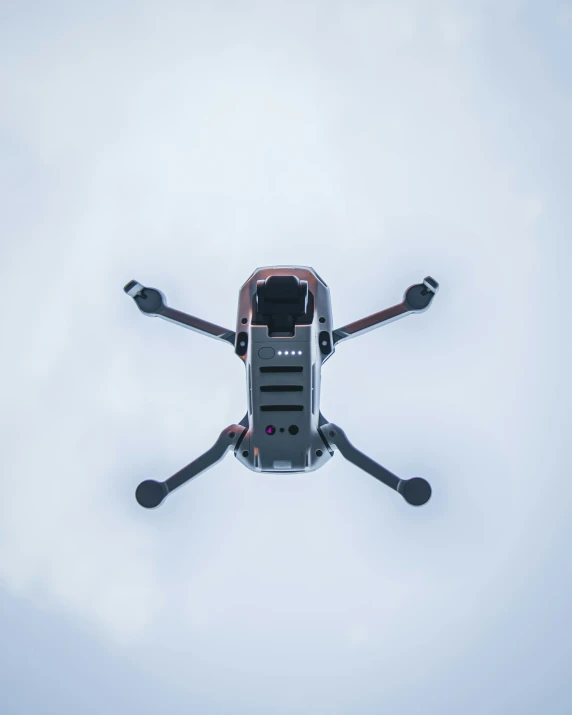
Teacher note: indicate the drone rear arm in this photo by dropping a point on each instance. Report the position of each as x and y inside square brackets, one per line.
[415, 491]
[153, 303]
[151, 493]
[417, 299]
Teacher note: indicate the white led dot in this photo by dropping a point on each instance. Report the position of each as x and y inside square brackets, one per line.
[299, 352]
[285, 352]
[280, 352]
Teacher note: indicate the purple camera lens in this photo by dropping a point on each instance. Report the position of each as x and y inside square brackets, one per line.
[270, 429]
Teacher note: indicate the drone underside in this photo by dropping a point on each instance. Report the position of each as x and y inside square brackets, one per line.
[284, 334]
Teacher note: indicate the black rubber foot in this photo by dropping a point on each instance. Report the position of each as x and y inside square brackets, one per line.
[151, 493]
[150, 301]
[416, 491]
[418, 297]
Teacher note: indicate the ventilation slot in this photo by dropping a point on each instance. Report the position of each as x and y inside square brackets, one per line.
[282, 368]
[281, 408]
[281, 388]
[314, 388]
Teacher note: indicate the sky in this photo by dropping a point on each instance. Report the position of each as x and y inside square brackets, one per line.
[184, 145]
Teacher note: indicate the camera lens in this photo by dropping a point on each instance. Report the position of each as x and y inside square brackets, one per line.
[270, 429]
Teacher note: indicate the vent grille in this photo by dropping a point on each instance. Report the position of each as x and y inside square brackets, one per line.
[281, 388]
[282, 368]
[281, 408]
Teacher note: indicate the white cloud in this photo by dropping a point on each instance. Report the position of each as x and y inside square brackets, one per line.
[364, 140]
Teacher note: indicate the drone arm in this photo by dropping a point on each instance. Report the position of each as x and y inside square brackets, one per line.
[417, 299]
[151, 493]
[153, 303]
[200, 326]
[359, 327]
[415, 491]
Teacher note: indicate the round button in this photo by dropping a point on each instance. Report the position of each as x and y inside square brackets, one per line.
[266, 353]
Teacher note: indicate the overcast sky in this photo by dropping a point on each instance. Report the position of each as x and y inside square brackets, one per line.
[184, 145]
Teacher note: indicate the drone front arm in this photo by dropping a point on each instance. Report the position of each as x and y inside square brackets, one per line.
[415, 491]
[417, 299]
[153, 303]
[151, 493]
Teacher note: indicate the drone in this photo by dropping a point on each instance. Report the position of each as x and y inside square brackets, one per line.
[283, 335]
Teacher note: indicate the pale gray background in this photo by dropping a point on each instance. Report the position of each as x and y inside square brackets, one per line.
[185, 144]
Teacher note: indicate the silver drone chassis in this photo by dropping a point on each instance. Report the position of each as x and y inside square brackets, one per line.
[417, 299]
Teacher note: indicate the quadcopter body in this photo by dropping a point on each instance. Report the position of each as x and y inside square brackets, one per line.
[284, 333]
[284, 341]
